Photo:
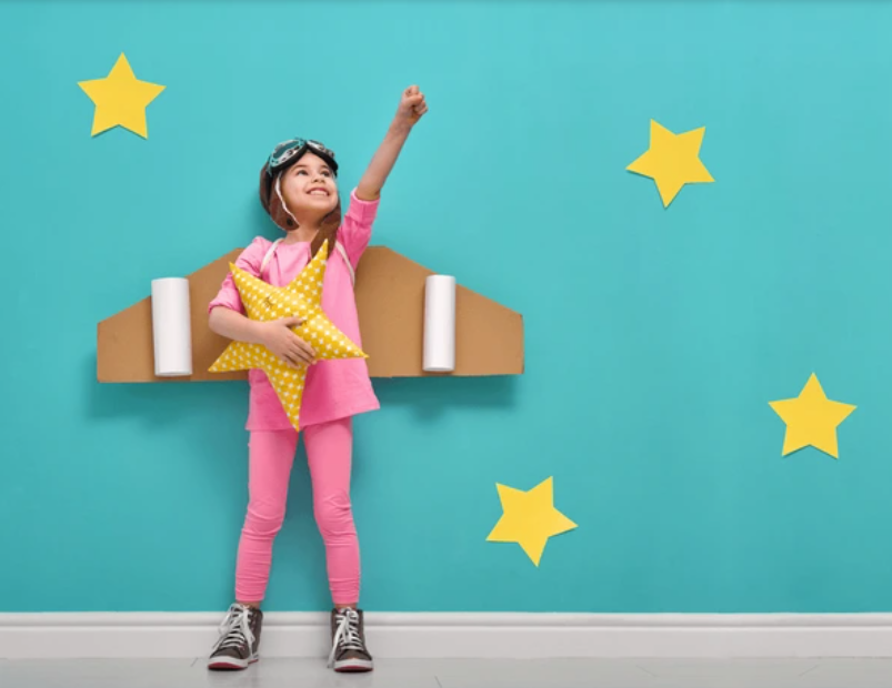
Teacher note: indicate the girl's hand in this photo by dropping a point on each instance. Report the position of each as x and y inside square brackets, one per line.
[276, 335]
[412, 107]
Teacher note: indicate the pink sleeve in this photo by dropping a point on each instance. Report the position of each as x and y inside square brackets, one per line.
[355, 231]
[249, 260]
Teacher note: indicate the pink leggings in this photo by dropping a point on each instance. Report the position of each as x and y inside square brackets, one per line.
[329, 448]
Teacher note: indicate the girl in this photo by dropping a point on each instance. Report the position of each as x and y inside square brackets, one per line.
[298, 188]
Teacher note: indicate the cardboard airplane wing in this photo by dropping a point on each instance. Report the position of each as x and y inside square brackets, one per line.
[390, 300]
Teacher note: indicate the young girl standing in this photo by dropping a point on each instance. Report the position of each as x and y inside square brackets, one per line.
[298, 188]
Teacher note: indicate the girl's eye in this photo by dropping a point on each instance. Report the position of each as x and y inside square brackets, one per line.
[299, 172]
[326, 173]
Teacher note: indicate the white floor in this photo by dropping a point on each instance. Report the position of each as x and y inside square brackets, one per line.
[568, 673]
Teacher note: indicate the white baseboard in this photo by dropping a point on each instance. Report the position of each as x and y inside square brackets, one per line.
[459, 635]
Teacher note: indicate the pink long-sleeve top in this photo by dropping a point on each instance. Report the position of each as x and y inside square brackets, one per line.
[334, 389]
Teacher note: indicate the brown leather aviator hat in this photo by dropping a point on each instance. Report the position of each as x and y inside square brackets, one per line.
[285, 155]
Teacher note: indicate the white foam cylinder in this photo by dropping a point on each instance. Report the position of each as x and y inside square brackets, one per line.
[439, 324]
[171, 327]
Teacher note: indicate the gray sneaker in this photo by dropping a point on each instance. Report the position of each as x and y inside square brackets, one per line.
[239, 642]
[348, 650]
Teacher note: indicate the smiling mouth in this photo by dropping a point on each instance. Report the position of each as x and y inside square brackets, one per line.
[318, 192]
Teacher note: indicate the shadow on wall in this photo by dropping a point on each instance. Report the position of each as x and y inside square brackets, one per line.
[163, 404]
[432, 396]
[192, 411]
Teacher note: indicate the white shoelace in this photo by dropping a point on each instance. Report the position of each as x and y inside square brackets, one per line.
[347, 634]
[236, 629]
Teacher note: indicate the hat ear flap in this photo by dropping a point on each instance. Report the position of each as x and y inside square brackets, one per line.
[272, 201]
[265, 186]
[291, 221]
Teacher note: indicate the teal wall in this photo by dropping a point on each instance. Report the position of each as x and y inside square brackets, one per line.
[655, 338]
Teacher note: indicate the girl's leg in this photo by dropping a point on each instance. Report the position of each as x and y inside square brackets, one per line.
[329, 453]
[271, 455]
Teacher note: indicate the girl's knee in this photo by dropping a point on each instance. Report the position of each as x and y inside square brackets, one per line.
[264, 519]
[334, 515]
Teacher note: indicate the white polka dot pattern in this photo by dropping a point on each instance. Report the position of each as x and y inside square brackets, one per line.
[301, 298]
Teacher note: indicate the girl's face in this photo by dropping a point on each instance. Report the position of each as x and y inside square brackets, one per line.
[309, 187]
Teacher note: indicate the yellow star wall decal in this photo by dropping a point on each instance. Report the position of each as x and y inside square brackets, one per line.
[301, 298]
[529, 518]
[811, 419]
[120, 99]
[672, 160]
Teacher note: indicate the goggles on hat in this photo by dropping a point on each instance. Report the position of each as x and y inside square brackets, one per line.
[291, 150]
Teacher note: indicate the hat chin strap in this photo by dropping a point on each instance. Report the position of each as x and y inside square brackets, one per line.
[282, 200]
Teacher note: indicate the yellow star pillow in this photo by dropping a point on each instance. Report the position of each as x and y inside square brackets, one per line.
[302, 298]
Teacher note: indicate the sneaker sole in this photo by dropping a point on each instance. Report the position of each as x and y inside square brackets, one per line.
[353, 666]
[231, 663]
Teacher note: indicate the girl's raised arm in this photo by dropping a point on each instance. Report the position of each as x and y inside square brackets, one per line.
[411, 109]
